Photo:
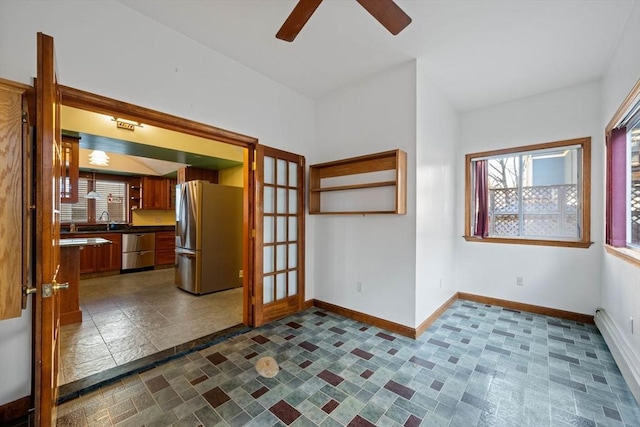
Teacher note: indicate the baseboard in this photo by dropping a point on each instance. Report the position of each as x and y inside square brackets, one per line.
[366, 318]
[621, 351]
[307, 304]
[536, 309]
[14, 410]
[429, 320]
[416, 332]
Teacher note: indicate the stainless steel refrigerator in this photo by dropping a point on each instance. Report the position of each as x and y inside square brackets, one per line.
[209, 224]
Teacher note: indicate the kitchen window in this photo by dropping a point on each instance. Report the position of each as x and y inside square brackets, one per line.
[534, 195]
[111, 206]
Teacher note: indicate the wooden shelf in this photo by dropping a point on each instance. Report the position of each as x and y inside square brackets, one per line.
[350, 169]
[355, 213]
[355, 186]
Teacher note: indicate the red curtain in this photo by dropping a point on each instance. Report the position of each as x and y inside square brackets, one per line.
[617, 188]
[481, 196]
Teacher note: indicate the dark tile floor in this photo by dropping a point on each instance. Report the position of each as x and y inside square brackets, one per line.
[477, 365]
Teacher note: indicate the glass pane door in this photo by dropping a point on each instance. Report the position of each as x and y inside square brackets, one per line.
[280, 290]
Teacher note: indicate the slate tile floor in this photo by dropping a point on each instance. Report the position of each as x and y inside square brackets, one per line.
[477, 365]
[130, 316]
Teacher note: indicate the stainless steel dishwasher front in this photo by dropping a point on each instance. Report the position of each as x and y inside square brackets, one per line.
[138, 250]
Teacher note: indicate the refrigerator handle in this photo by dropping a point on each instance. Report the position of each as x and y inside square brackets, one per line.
[185, 252]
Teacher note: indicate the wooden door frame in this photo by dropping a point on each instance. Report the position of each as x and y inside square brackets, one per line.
[80, 99]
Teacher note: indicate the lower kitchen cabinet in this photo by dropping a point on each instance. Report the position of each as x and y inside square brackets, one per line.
[98, 259]
[165, 248]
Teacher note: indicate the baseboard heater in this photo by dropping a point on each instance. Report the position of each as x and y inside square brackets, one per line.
[622, 352]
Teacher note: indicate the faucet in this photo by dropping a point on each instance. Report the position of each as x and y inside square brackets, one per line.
[108, 218]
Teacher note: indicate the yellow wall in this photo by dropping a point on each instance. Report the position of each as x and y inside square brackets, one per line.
[152, 217]
[232, 176]
[100, 124]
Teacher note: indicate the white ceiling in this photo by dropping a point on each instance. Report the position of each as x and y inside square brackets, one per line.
[481, 52]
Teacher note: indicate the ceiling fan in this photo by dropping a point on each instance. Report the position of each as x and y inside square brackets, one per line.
[386, 12]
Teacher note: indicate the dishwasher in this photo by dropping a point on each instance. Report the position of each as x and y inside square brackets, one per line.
[138, 251]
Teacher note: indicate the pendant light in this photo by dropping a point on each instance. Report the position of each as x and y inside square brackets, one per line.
[93, 194]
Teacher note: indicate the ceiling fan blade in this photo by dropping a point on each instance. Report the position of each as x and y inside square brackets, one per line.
[297, 19]
[387, 13]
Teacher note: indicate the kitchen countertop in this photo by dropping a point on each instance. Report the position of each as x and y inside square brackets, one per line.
[91, 241]
[120, 229]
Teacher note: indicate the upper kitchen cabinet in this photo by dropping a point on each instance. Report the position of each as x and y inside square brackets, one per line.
[191, 173]
[70, 170]
[156, 193]
[15, 197]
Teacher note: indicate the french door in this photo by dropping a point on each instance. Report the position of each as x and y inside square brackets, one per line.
[48, 153]
[279, 224]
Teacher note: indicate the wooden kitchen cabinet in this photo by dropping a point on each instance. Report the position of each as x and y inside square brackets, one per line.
[172, 193]
[70, 168]
[165, 248]
[100, 259]
[155, 193]
[70, 311]
[191, 173]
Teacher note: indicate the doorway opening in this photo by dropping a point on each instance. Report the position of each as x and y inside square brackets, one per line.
[133, 316]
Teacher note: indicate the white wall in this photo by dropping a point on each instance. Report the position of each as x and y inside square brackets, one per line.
[562, 278]
[624, 66]
[109, 49]
[374, 115]
[621, 280]
[436, 161]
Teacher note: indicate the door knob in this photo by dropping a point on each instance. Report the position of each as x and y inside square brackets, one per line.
[27, 290]
[57, 286]
[49, 288]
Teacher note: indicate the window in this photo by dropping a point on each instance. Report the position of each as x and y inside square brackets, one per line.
[113, 203]
[111, 206]
[536, 195]
[623, 174]
[77, 212]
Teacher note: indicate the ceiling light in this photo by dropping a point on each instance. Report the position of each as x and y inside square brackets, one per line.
[126, 124]
[98, 158]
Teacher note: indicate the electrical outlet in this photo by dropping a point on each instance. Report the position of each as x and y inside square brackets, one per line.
[520, 281]
[359, 287]
[241, 274]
